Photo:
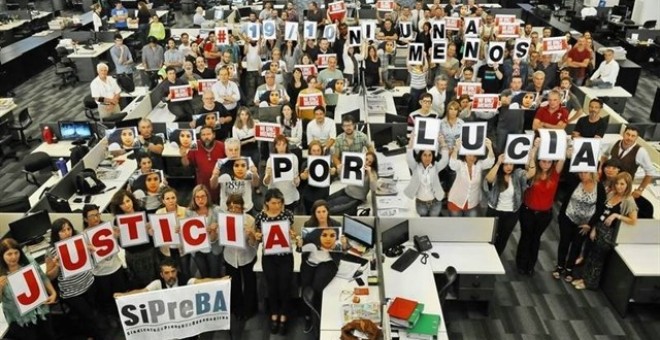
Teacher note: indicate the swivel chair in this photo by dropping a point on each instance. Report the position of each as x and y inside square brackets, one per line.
[450, 276]
[6, 137]
[308, 299]
[650, 24]
[15, 204]
[91, 108]
[66, 72]
[23, 122]
[33, 164]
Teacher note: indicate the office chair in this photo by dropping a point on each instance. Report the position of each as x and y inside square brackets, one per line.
[15, 204]
[66, 73]
[308, 299]
[645, 208]
[649, 25]
[21, 124]
[34, 163]
[6, 137]
[91, 108]
[450, 275]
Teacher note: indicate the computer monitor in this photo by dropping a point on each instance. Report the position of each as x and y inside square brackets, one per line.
[381, 134]
[354, 113]
[244, 12]
[358, 231]
[621, 11]
[105, 36]
[74, 130]
[269, 114]
[31, 228]
[79, 36]
[57, 204]
[393, 239]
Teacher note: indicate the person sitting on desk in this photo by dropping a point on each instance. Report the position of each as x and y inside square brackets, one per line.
[105, 92]
[120, 14]
[321, 254]
[227, 93]
[551, 116]
[182, 109]
[578, 59]
[173, 57]
[608, 70]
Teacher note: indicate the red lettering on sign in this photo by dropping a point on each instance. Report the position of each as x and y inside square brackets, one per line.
[186, 232]
[131, 222]
[103, 243]
[29, 297]
[81, 254]
[276, 238]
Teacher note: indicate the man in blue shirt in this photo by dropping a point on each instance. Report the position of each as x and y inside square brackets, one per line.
[120, 14]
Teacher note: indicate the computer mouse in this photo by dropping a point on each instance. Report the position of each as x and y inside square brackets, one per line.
[436, 255]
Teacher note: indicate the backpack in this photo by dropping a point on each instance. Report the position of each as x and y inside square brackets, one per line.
[77, 153]
[88, 184]
[125, 82]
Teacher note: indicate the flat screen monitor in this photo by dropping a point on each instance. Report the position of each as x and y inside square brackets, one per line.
[31, 228]
[244, 12]
[79, 36]
[72, 130]
[269, 114]
[381, 134]
[354, 113]
[395, 236]
[105, 36]
[358, 231]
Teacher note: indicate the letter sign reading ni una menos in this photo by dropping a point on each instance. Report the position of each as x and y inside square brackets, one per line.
[471, 26]
[517, 148]
[276, 237]
[553, 144]
[406, 30]
[368, 30]
[194, 236]
[352, 168]
[318, 171]
[439, 52]
[496, 52]
[73, 255]
[473, 138]
[231, 232]
[585, 155]
[437, 30]
[164, 227]
[282, 168]
[354, 36]
[415, 54]
[29, 290]
[521, 48]
[132, 229]
[471, 49]
[103, 240]
[426, 134]
[291, 31]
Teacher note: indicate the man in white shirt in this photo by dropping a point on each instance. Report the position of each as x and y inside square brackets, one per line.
[105, 92]
[226, 92]
[322, 129]
[185, 47]
[607, 72]
[440, 95]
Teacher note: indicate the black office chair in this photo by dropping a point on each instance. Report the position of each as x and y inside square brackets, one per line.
[645, 208]
[308, 299]
[15, 204]
[66, 73]
[91, 108]
[33, 164]
[450, 275]
[21, 124]
[6, 137]
[649, 25]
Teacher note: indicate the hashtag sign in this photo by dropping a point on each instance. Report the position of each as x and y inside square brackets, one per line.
[222, 36]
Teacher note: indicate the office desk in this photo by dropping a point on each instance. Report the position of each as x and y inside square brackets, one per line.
[7, 106]
[617, 97]
[632, 275]
[126, 169]
[12, 25]
[350, 102]
[639, 52]
[86, 60]
[56, 150]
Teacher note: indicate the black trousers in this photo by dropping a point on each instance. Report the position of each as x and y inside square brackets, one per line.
[183, 110]
[107, 286]
[570, 242]
[84, 306]
[532, 225]
[278, 271]
[243, 289]
[42, 330]
[317, 277]
[506, 221]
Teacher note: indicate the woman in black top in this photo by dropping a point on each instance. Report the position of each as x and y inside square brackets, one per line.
[296, 84]
[425, 36]
[144, 16]
[278, 268]
[372, 67]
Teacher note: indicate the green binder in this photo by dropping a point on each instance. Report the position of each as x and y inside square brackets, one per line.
[427, 324]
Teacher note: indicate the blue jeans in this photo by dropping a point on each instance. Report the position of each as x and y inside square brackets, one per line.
[431, 208]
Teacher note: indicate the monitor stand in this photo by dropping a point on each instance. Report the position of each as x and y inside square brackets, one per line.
[34, 241]
[394, 251]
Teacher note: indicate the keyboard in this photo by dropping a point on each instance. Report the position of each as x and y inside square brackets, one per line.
[405, 260]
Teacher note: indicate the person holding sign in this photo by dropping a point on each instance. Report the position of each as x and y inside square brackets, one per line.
[425, 102]
[76, 290]
[504, 186]
[239, 263]
[424, 184]
[311, 193]
[305, 111]
[278, 268]
[279, 177]
[619, 207]
[536, 213]
[347, 200]
[181, 108]
[578, 214]
[169, 200]
[465, 193]
[36, 323]
[322, 129]
[209, 262]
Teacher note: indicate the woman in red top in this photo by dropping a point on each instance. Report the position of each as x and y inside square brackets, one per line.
[536, 213]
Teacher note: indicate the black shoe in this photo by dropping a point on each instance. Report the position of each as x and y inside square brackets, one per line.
[309, 325]
[283, 327]
[274, 326]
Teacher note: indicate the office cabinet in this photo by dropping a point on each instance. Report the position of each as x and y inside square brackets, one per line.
[475, 287]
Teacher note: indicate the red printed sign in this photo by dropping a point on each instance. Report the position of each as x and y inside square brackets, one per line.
[133, 229]
[505, 19]
[322, 59]
[276, 237]
[230, 230]
[554, 45]
[29, 290]
[205, 84]
[310, 100]
[103, 240]
[337, 7]
[179, 93]
[73, 255]
[485, 102]
[385, 5]
[222, 35]
[267, 131]
[165, 229]
[307, 70]
[194, 236]
[468, 88]
[508, 30]
[453, 24]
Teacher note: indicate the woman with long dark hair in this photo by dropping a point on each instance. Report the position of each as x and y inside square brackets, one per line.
[465, 193]
[424, 185]
[504, 186]
[295, 85]
[169, 199]
[77, 290]
[372, 71]
[35, 324]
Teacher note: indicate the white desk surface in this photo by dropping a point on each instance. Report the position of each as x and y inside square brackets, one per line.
[99, 49]
[127, 168]
[7, 109]
[398, 284]
[333, 299]
[161, 114]
[467, 258]
[330, 335]
[642, 259]
[139, 91]
[55, 150]
[10, 26]
[616, 91]
[350, 102]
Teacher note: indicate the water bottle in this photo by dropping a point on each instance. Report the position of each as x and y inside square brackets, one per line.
[61, 167]
[47, 135]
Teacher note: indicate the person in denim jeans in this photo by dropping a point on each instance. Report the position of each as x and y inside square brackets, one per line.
[465, 194]
[424, 184]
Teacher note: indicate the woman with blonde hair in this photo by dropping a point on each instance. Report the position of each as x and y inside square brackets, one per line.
[208, 262]
[244, 130]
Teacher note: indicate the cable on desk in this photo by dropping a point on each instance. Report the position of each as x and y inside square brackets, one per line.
[425, 256]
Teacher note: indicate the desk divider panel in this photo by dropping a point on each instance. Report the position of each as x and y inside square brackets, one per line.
[445, 229]
[646, 231]
[142, 109]
[96, 155]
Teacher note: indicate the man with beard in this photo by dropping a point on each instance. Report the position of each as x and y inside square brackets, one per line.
[204, 158]
[151, 144]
